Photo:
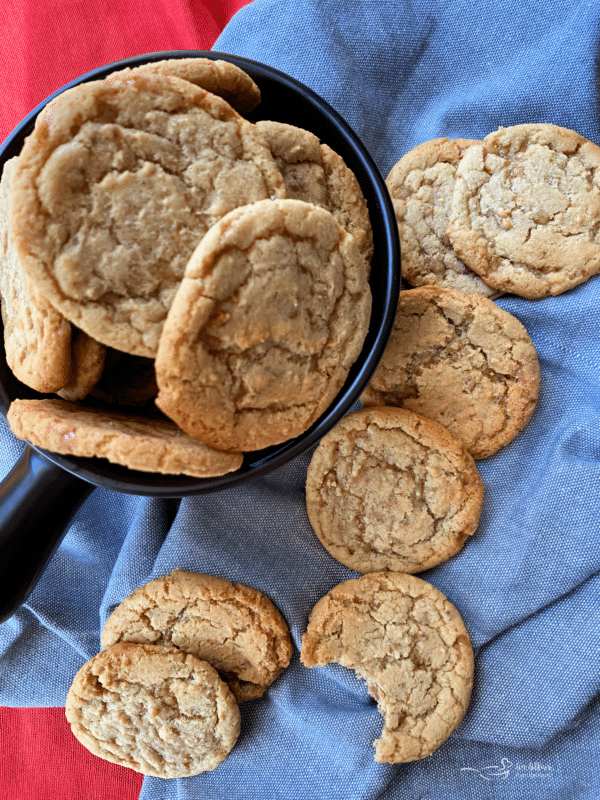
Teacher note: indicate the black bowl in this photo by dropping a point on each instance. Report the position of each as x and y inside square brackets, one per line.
[286, 100]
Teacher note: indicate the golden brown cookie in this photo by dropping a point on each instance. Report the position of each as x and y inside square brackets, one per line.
[150, 445]
[409, 643]
[155, 710]
[219, 77]
[235, 628]
[87, 364]
[271, 314]
[526, 207]
[462, 361]
[421, 185]
[387, 489]
[37, 339]
[116, 186]
[313, 172]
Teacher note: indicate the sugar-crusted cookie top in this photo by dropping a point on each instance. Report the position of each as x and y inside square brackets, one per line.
[153, 709]
[149, 445]
[271, 314]
[526, 208]
[217, 76]
[117, 184]
[235, 628]
[387, 489]
[409, 643]
[462, 361]
[421, 185]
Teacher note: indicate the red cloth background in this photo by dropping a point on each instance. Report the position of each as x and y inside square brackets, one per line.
[44, 45]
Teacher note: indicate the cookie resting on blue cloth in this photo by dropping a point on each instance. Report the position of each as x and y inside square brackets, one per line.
[526, 584]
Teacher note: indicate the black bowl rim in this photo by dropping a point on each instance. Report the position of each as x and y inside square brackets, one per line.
[114, 477]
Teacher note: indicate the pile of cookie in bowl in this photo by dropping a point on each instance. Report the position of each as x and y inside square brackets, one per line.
[161, 249]
[393, 489]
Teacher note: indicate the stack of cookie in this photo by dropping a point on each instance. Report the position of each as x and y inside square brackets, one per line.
[179, 654]
[151, 231]
[517, 212]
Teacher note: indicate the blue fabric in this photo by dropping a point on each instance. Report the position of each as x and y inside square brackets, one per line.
[526, 584]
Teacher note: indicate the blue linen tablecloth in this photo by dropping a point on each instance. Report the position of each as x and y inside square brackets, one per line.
[527, 582]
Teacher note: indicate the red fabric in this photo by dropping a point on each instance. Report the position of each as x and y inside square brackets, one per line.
[47, 43]
[41, 759]
[44, 45]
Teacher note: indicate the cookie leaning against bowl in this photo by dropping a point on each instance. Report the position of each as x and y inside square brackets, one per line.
[43, 350]
[235, 628]
[462, 361]
[313, 172]
[421, 186]
[155, 710]
[387, 489]
[270, 316]
[149, 445]
[37, 339]
[409, 643]
[115, 187]
[219, 77]
[526, 207]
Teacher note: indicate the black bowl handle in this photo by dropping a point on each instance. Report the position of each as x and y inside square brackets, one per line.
[38, 500]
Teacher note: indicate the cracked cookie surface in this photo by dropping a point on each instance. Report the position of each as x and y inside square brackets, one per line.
[217, 76]
[313, 172]
[149, 445]
[409, 643]
[270, 316]
[387, 489]
[37, 339]
[155, 710]
[525, 211]
[462, 361]
[421, 185]
[235, 628]
[115, 187]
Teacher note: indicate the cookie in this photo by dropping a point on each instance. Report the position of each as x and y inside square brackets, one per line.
[526, 207]
[409, 643]
[462, 361]
[87, 364]
[149, 445]
[270, 316]
[155, 710]
[387, 489]
[219, 77]
[235, 628]
[313, 172]
[421, 185]
[116, 186]
[37, 339]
